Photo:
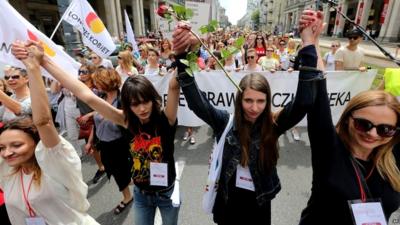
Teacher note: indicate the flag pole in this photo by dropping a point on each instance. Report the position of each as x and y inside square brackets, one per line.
[55, 29]
[59, 22]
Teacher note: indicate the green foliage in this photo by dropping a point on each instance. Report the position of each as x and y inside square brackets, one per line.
[255, 16]
[209, 28]
[239, 42]
[181, 12]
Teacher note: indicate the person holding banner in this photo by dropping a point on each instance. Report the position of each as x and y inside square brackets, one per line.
[248, 177]
[40, 171]
[356, 178]
[152, 128]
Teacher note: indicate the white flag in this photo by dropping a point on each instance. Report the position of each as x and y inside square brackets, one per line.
[14, 27]
[130, 36]
[94, 34]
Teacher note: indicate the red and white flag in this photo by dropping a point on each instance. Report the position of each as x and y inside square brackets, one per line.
[94, 34]
[13, 26]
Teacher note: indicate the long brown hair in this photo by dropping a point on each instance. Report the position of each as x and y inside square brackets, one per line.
[268, 154]
[383, 155]
[25, 125]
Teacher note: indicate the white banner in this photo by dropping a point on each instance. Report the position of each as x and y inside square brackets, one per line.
[14, 27]
[221, 93]
[130, 35]
[201, 14]
[94, 34]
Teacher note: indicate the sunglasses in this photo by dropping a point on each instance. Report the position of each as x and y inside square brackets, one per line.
[334, 46]
[119, 57]
[251, 57]
[354, 38]
[14, 77]
[270, 50]
[83, 72]
[93, 58]
[383, 130]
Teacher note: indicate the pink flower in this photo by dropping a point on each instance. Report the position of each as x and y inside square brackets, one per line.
[163, 10]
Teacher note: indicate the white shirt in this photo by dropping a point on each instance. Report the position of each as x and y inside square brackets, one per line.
[26, 109]
[329, 58]
[257, 69]
[61, 197]
[125, 75]
[351, 59]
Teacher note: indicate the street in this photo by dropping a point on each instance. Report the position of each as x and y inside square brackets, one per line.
[293, 167]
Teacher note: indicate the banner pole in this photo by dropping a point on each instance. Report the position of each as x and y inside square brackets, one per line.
[59, 22]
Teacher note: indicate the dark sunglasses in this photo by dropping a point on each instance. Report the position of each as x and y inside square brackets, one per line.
[383, 130]
[354, 38]
[251, 57]
[83, 72]
[119, 57]
[14, 77]
[334, 46]
[269, 50]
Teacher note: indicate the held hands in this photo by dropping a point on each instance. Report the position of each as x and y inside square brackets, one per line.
[183, 39]
[311, 25]
[30, 53]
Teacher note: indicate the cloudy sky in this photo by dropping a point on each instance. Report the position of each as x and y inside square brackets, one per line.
[235, 9]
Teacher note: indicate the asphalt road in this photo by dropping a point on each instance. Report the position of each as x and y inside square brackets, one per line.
[294, 170]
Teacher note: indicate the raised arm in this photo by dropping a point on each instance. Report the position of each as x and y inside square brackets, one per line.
[78, 88]
[41, 114]
[195, 98]
[171, 109]
[310, 74]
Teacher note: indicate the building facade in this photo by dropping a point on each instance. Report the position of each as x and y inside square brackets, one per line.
[378, 17]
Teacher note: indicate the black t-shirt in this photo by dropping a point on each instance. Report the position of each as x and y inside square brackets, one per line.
[154, 143]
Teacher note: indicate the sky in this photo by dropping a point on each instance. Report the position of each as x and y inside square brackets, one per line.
[235, 9]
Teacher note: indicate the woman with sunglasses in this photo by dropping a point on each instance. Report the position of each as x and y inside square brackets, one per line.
[18, 104]
[352, 161]
[329, 57]
[260, 46]
[125, 66]
[153, 130]
[40, 171]
[248, 178]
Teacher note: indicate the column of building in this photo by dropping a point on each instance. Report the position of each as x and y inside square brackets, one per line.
[390, 25]
[340, 21]
[119, 17]
[137, 19]
[111, 17]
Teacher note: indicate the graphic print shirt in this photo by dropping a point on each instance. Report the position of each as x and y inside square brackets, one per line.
[154, 143]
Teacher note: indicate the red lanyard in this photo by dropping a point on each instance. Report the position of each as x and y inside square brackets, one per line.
[362, 191]
[25, 195]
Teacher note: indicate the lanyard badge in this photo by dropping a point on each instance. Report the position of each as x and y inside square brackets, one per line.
[365, 211]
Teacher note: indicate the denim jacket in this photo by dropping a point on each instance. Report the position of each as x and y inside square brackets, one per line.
[266, 185]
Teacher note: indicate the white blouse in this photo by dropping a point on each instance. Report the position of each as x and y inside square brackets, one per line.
[61, 197]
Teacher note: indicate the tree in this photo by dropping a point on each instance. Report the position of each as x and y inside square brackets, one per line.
[255, 18]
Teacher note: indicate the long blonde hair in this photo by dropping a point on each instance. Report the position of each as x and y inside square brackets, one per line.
[383, 155]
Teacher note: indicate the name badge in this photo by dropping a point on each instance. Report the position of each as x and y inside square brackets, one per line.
[35, 221]
[244, 179]
[367, 213]
[158, 174]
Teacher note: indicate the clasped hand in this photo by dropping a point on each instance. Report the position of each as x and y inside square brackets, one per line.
[31, 53]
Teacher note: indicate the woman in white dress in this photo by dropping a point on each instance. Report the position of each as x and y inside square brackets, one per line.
[40, 171]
